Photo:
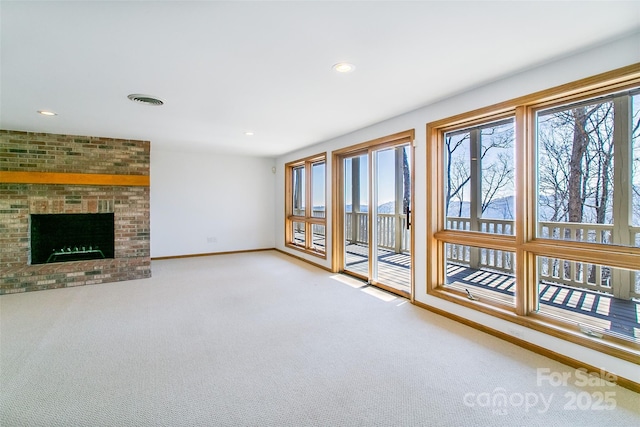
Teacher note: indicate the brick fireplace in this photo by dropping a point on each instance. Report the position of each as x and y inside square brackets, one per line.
[45, 174]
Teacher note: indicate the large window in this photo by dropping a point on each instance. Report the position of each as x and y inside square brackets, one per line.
[635, 102]
[585, 180]
[479, 195]
[479, 185]
[305, 224]
[536, 213]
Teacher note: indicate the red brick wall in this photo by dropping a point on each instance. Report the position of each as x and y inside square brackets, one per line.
[37, 152]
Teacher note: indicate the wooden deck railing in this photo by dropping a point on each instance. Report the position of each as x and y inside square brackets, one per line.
[392, 232]
[570, 273]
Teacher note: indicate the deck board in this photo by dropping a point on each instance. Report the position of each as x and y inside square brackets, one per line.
[584, 307]
[393, 269]
[581, 306]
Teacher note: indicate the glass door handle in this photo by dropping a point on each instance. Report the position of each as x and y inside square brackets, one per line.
[407, 212]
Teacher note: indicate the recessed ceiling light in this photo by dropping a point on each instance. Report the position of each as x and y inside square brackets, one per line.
[249, 133]
[47, 113]
[145, 99]
[343, 67]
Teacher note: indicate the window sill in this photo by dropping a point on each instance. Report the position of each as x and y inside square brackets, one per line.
[322, 255]
[610, 345]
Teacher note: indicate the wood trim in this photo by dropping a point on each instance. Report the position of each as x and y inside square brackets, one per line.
[412, 217]
[617, 256]
[407, 136]
[606, 89]
[621, 256]
[304, 260]
[389, 289]
[559, 323]
[561, 330]
[311, 220]
[308, 220]
[307, 251]
[521, 229]
[161, 258]
[616, 79]
[288, 204]
[308, 208]
[484, 304]
[73, 179]
[358, 276]
[526, 262]
[469, 121]
[525, 244]
[621, 381]
[503, 242]
[309, 159]
[366, 148]
[372, 211]
[337, 212]
[434, 221]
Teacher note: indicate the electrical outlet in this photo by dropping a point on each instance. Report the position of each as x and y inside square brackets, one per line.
[212, 239]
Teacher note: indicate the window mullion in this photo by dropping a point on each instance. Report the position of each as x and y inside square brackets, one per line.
[475, 181]
[307, 191]
[568, 271]
[622, 190]
[526, 268]
[298, 188]
[308, 210]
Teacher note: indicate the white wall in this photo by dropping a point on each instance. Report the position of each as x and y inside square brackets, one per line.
[207, 202]
[587, 63]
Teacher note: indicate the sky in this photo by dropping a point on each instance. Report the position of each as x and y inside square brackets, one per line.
[385, 178]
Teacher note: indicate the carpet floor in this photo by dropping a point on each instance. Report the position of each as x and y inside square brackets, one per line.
[261, 339]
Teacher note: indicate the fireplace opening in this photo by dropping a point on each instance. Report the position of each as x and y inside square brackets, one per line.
[71, 237]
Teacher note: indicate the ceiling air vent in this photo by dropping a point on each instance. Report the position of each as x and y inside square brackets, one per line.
[145, 99]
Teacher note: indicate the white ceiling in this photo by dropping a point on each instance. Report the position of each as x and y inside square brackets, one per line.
[224, 68]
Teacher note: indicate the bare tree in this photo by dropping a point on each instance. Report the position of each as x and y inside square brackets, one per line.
[497, 174]
[494, 178]
[575, 168]
[602, 136]
[636, 169]
[497, 166]
[553, 176]
[406, 175]
[579, 147]
[455, 173]
[576, 164]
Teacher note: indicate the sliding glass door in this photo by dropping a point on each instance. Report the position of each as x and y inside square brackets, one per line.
[376, 205]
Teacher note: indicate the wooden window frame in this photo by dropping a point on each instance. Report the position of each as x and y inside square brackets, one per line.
[307, 219]
[338, 156]
[526, 245]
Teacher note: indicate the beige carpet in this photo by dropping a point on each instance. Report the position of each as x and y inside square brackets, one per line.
[260, 339]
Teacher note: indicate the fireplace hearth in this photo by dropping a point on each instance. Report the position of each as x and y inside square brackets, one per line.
[71, 237]
[83, 199]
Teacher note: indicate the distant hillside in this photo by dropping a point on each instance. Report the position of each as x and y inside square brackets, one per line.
[503, 208]
[386, 208]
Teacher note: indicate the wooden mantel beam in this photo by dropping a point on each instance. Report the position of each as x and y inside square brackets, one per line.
[7, 177]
